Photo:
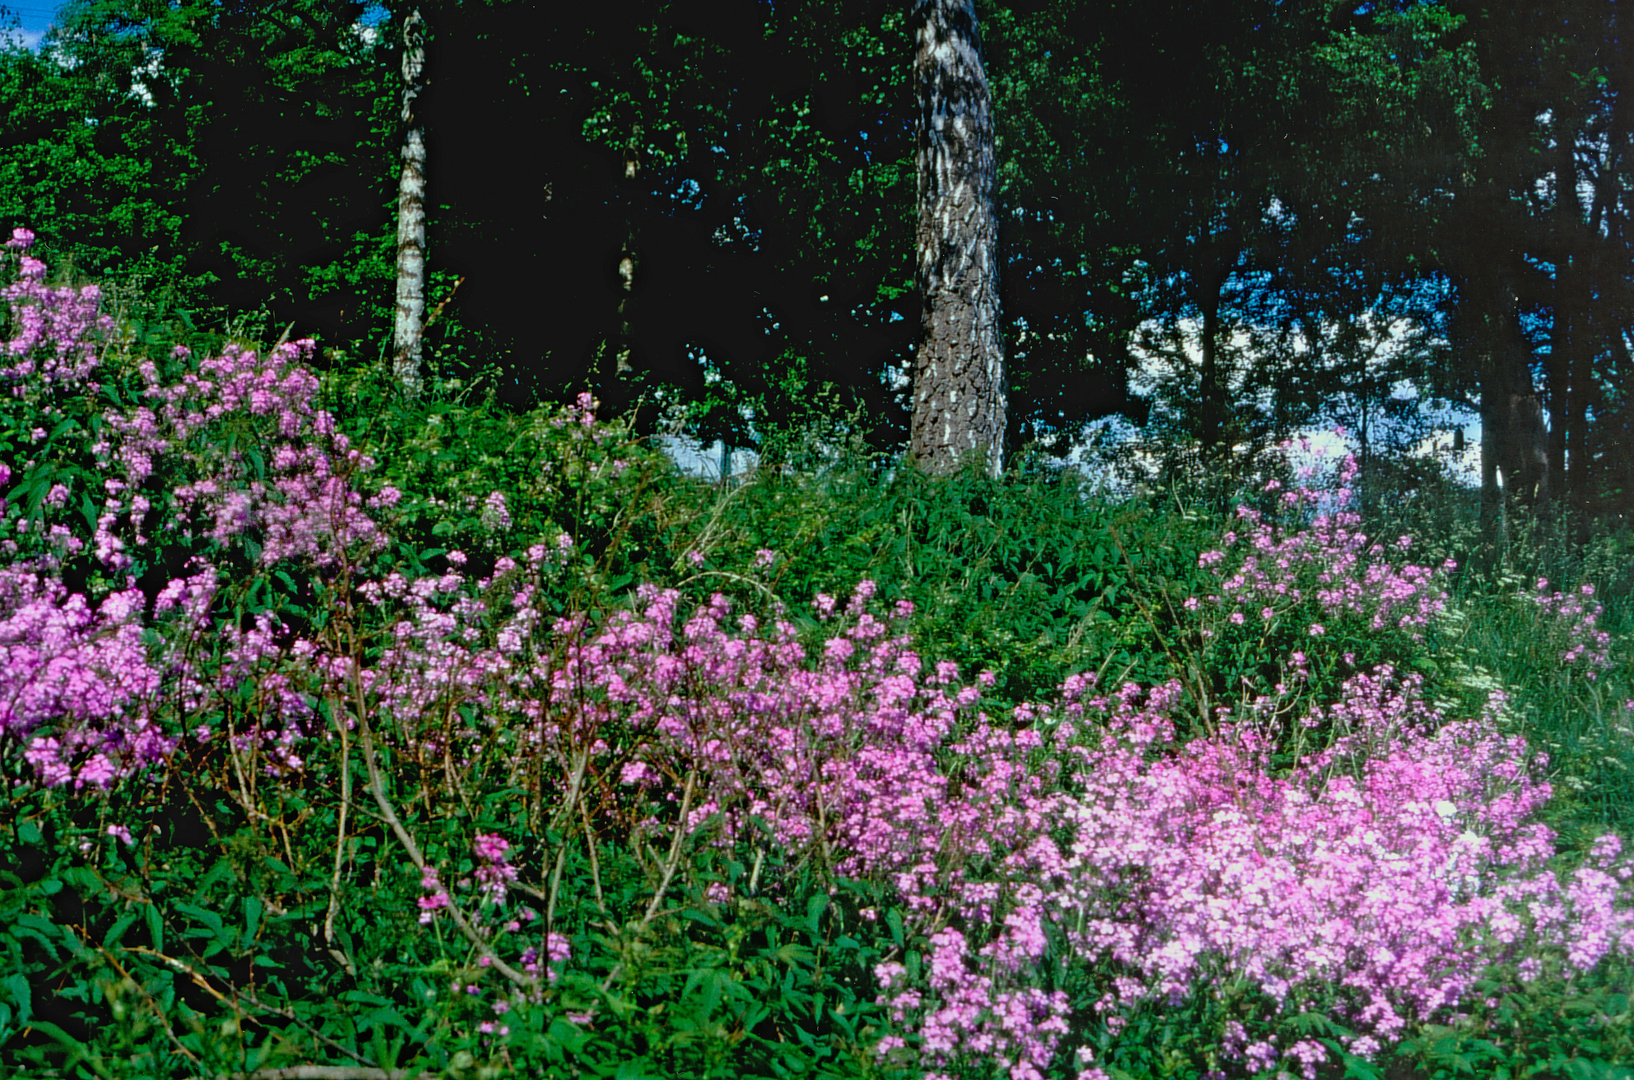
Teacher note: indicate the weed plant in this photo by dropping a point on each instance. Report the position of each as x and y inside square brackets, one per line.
[350, 736]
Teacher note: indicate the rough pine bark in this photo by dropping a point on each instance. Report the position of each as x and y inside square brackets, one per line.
[409, 323]
[958, 371]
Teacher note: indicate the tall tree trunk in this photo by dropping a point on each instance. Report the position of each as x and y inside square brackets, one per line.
[1210, 386]
[1210, 263]
[958, 372]
[1566, 384]
[1514, 439]
[1492, 419]
[409, 324]
[629, 261]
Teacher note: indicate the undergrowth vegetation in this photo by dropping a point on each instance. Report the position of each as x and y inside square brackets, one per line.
[431, 739]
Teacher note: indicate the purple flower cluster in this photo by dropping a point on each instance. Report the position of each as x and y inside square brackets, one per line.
[1571, 621]
[1328, 568]
[491, 879]
[248, 457]
[263, 461]
[77, 687]
[491, 883]
[1381, 873]
[1390, 868]
[494, 872]
[55, 330]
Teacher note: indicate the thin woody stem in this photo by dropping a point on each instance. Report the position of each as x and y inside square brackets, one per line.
[389, 813]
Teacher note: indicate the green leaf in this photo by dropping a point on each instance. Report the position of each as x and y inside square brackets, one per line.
[16, 986]
[76, 1049]
[1356, 1068]
[35, 927]
[117, 930]
[569, 1036]
[364, 997]
[632, 1069]
[815, 906]
[252, 918]
[156, 926]
[201, 914]
[893, 920]
[83, 879]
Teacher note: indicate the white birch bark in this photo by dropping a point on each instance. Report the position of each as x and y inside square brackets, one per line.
[409, 324]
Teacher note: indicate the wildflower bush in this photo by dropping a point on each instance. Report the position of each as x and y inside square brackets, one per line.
[336, 746]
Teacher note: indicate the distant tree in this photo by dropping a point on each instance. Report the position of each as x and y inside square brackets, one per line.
[958, 371]
[1069, 275]
[1537, 243]
[1260, 166]
[239, 150]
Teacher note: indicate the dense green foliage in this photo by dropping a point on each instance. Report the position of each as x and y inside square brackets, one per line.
[1323, 213]
[218, 939]
[245, 907]
[1315, 213]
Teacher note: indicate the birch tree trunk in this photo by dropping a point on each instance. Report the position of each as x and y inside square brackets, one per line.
[958, 372]
[409, 323]
[629, 262]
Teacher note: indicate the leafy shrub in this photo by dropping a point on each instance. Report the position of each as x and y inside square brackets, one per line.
[321, 753]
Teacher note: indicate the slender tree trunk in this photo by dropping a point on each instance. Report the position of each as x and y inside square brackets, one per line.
[1211, 264]
[1565, 404]
[958, 372]
[409, 325]
[1492, 440]
[1579, 481]
[1514, 438]
[1565, 379]
[629, 261]
[1511, 402]
[1211, 408]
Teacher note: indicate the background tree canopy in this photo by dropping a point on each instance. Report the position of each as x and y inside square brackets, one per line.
[1269, 214]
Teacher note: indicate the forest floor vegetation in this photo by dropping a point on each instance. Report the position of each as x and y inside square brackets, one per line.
[434, 739]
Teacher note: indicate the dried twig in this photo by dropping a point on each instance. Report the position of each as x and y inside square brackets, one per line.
[670, 864]
[674, 858]
[436, 312]
[340, 840]
[575, 782]
[153, 1006]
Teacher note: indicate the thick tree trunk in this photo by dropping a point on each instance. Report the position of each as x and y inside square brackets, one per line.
[958, 372]
[409, 324]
